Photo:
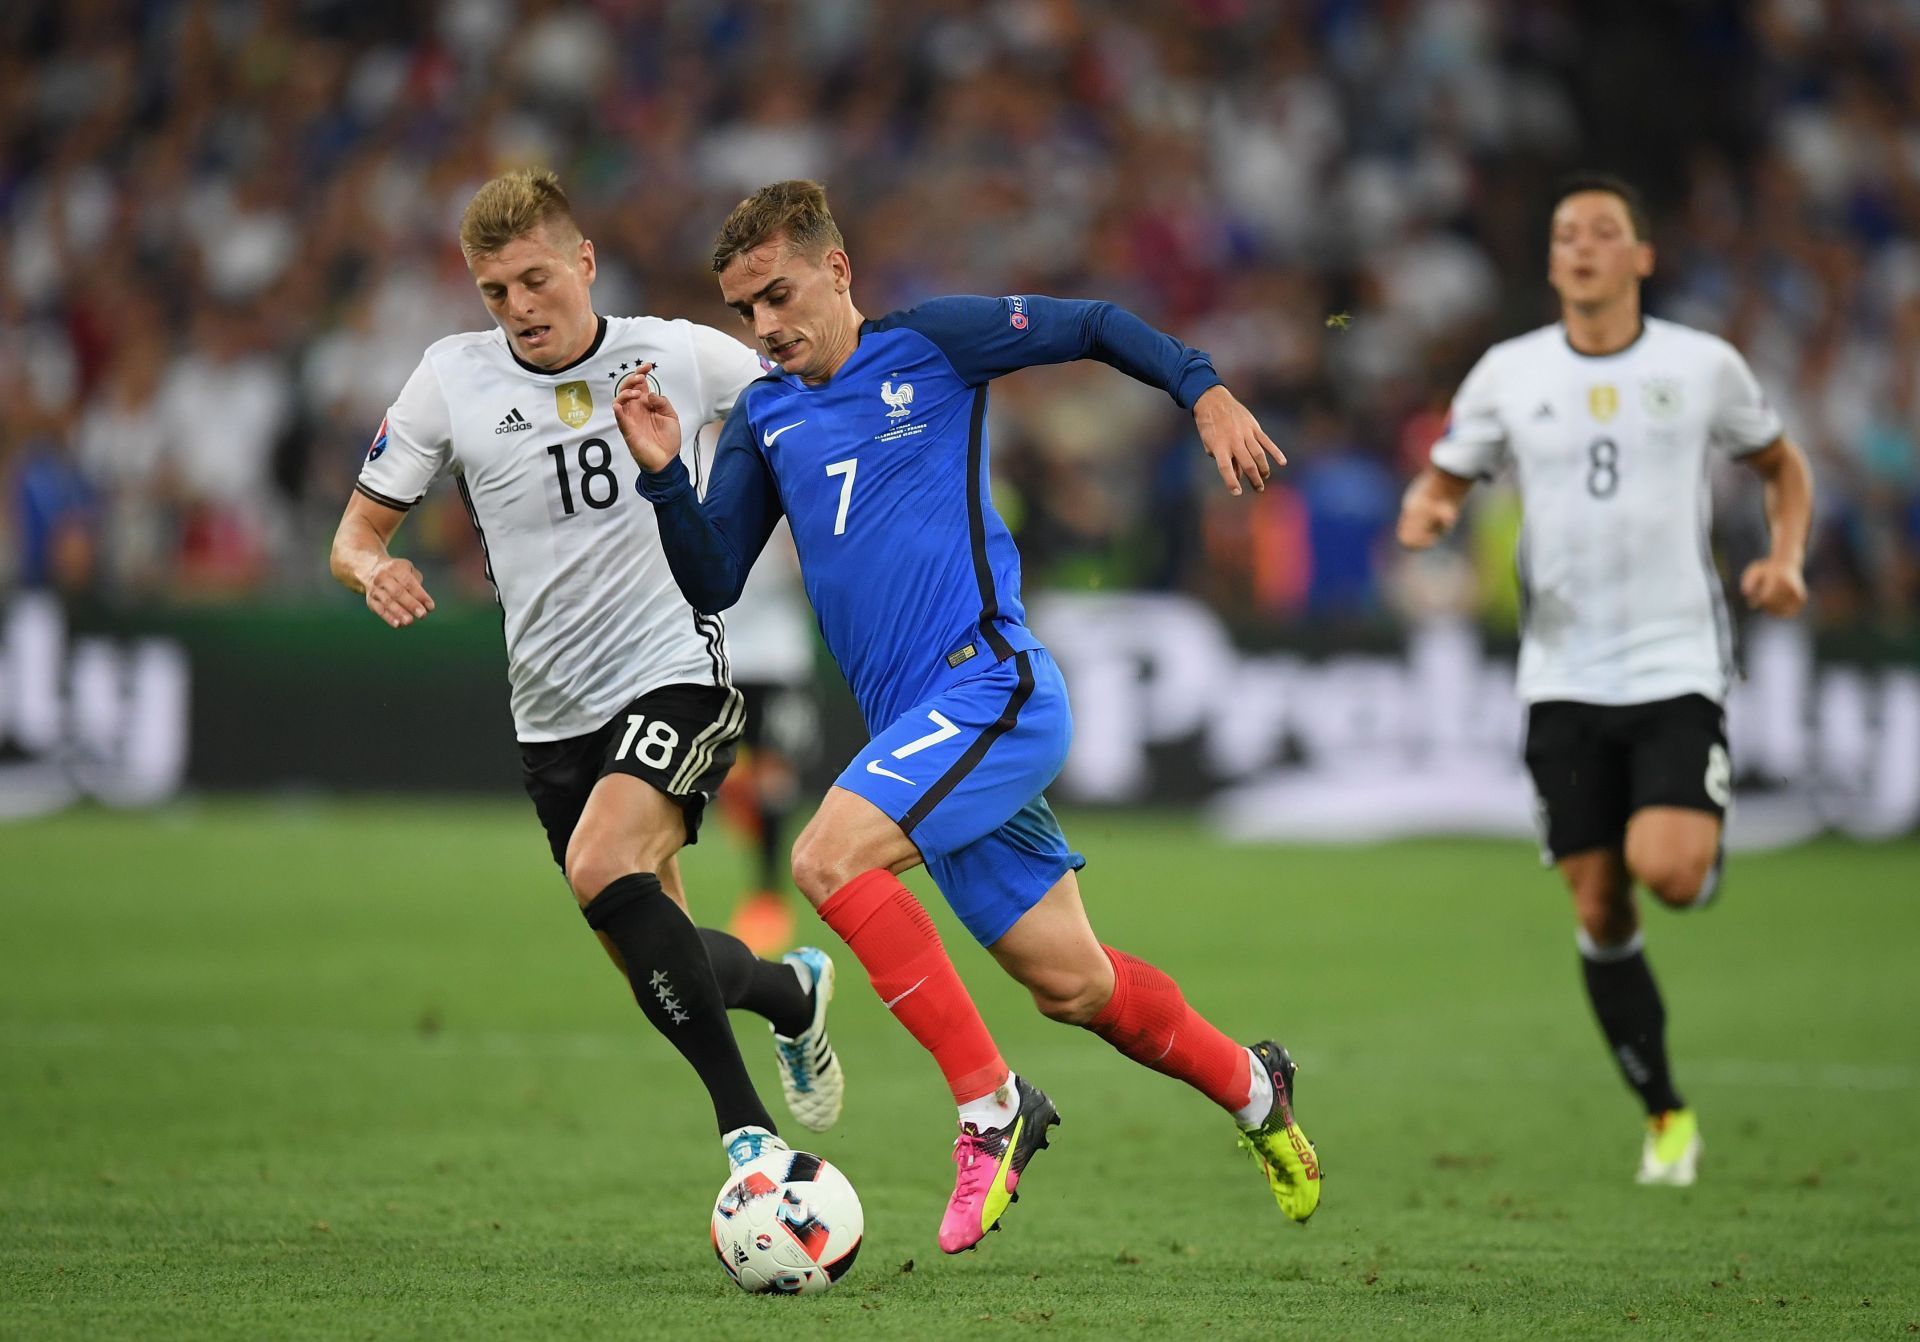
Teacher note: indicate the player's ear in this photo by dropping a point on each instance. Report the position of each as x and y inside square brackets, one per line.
[840, 266]
[1643, 260]
[586, 265]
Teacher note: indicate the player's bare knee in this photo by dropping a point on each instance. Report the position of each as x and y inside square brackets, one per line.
[592, 867]
[588, 873]
[1068, 998]
[1069, 993]
[1677, 879]
[819, 867]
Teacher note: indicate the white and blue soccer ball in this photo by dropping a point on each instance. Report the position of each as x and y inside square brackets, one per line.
[787, 1224]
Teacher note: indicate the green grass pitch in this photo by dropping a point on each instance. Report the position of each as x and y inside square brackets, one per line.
[359, 1071]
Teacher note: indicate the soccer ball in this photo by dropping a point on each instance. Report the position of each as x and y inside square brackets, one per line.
[787, 1224]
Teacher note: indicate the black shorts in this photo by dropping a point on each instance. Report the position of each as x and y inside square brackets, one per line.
[679, 738]
[1594, 765]
[781, 718]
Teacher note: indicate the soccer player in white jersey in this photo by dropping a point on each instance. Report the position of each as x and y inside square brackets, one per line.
[770, 641]
[621, 695]
[1609, 418]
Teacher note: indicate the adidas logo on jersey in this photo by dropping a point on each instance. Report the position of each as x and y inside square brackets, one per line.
[513, 422]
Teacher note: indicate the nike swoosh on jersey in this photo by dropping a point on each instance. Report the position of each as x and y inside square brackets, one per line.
[875, 767]
[772, 434]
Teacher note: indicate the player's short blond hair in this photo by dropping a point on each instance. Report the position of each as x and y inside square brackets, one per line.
[796, 210]
[513, 205]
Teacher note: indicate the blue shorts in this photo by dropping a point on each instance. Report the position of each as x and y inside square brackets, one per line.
[963, 772]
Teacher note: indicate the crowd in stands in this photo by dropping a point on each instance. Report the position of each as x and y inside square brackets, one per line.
[227, 232]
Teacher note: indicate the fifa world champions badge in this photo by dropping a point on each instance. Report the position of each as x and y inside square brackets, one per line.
[573, 402]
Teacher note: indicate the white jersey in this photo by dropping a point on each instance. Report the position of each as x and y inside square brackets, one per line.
[770, 629]
[593, 616]
[770, 634]
[1620, 599]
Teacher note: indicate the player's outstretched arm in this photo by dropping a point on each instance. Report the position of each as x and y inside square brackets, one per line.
[360, 563]
[710, 543]
[1430, 507]
[1776, 584]
[1234, 439]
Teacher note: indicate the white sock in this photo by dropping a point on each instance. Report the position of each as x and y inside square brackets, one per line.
[803, 972]
[772, 1141]
[996, 1109]
[1259, 1099]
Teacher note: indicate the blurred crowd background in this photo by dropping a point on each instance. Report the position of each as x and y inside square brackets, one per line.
[227, 231]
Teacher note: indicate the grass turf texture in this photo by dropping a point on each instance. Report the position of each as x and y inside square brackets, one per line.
[359, 1071]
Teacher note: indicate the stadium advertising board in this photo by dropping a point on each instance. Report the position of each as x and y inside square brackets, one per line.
[96, 716]
[1330, 742]
[1425, 739]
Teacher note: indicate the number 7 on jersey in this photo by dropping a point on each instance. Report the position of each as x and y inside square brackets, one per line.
[846, 468]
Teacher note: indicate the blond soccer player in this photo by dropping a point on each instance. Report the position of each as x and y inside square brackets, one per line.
[622, 701]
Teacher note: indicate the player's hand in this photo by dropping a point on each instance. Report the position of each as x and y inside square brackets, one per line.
[1424, 519]
[1774, 586]
[396, 594]
[647, 421]
[1235, 440]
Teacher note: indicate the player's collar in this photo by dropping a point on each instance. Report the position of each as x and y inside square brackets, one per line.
[1640, 333]
[599, 335]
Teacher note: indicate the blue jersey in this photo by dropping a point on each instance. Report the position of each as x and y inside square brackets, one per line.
[882, 472]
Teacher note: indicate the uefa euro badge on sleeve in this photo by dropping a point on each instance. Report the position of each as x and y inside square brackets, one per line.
[574, 403]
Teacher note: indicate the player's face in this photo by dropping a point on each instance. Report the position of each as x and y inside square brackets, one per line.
[1595, 258]
[799, 307]
[536, 287]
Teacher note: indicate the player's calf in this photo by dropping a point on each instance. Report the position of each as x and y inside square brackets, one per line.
[1147, 1018]
[674, 984]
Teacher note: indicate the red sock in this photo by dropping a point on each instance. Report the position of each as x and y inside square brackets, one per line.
[1148, 1020]
[895, 941]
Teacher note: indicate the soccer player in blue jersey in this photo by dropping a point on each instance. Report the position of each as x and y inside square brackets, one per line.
[871, 439]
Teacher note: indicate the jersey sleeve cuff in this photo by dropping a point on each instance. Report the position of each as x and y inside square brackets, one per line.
[667, 485]
[1196, 382]
[1459, 462]
[382, 499]
[1744, 448]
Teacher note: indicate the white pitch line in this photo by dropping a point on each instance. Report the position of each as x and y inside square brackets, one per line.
[1739, 1073]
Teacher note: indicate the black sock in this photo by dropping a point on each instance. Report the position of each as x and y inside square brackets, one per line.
[674, 984]
[772, 824]
[1627, 1001]
[764, 987]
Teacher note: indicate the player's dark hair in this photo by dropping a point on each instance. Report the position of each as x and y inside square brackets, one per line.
[796, 210]
[513, 205]
[1575, 183]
